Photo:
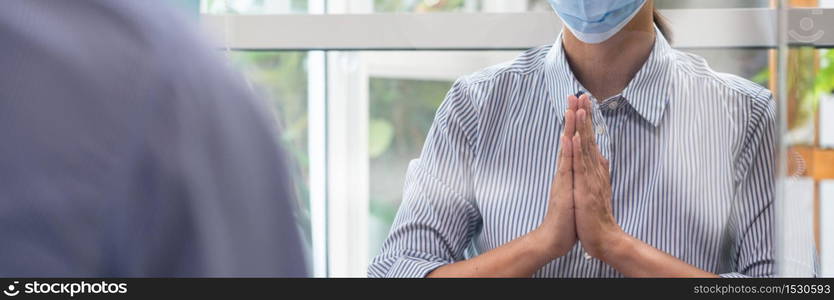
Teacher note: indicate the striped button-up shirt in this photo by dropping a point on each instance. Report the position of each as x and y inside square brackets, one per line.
[691, 151]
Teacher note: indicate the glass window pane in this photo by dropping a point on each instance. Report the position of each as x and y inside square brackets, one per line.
[397, 130]
[402, 107]
[752, 64]
[403, 90]
[806, 173]
[280, 78]
[403, 104]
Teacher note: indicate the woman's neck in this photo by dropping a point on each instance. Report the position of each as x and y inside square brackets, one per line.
[605, 69]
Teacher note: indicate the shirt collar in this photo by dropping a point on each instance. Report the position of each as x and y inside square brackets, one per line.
[648, 92]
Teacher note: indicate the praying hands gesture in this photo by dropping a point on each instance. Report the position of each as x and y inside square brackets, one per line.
[580, 196]
[581, 192]
[579, 209]
[591, 190]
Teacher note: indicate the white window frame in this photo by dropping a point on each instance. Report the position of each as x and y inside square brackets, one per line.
[338, 104]
[749, 28]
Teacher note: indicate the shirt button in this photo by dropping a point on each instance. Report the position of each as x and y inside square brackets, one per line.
[600, 130]
[588, 256]
[613, 105]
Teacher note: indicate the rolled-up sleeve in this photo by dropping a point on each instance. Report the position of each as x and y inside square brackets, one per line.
[753, 222]
[438, 217]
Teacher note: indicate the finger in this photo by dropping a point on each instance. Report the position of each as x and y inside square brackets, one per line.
[570, 124]
[585, 131]
[591, 165]
[565, 172]
[573, 103]
[585, 102]
[578, 166]
[586, 123]
[588, 120]
[562, 186]
[570, 116]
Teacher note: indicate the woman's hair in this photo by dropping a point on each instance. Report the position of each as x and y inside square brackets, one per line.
[663, 25]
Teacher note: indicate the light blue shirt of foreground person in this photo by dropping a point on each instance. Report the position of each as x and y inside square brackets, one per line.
[129, 149]
[691, 151]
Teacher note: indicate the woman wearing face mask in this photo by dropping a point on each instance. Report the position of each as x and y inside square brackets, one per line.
[663, 167]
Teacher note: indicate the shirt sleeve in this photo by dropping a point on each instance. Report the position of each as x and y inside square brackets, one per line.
[438, 217]
[753, 222]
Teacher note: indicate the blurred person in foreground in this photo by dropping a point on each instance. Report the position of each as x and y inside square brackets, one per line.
[130, 150]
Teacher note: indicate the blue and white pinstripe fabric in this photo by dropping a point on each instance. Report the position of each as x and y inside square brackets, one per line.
[692, 161]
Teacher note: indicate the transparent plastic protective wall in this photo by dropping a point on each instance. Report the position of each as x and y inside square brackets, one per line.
[805, 190]
[357, 111]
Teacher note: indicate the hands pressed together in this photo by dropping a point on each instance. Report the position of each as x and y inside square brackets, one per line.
[579, 207]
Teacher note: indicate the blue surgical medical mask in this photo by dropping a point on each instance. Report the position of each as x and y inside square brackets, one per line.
[596, 21]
